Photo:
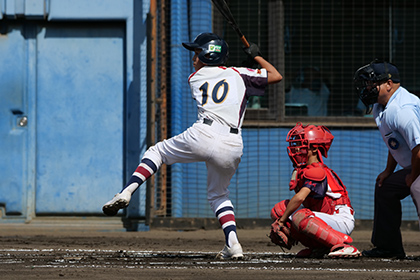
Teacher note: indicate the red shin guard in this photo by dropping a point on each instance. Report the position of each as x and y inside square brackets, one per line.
[305, 223]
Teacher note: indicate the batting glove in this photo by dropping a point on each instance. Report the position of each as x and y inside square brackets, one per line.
[253, 50]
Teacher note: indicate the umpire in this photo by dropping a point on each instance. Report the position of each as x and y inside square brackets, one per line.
[397, 115]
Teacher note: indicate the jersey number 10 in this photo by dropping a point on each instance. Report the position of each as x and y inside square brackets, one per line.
[214, 93]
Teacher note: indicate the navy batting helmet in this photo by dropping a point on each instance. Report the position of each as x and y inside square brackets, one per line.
[215, 51]
[367, 78]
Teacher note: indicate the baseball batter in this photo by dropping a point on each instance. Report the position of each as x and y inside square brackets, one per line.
[319, 215]
[221, 94]
[397, 115]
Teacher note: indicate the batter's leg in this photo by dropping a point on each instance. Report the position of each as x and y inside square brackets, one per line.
[121, 200]
[226, 217]
[218, 180]
[180, 148]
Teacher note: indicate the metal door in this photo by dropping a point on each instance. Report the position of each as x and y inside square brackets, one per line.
[79, 116]
[13, 122]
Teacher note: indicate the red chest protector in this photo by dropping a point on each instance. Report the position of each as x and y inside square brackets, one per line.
[319, 172]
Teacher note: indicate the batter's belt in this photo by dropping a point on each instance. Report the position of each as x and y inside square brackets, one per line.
[210, 122]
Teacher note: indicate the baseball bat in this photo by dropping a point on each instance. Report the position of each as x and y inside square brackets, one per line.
[223, 8]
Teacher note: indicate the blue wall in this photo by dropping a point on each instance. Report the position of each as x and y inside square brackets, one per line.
[262, 179]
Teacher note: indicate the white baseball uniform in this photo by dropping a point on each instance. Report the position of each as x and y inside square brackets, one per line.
[221, 94]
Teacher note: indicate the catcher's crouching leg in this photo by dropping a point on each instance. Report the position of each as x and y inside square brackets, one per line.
[308, 224]
[319, 232]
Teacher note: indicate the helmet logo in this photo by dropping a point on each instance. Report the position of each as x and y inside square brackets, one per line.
[393, 143]
[215, 48]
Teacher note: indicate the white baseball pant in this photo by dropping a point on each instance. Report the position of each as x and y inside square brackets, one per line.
[213, 144]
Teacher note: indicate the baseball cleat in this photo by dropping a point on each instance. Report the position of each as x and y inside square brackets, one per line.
[120, 200]
[344, 251]
[234, 252]
[382, 253]
[315, 253]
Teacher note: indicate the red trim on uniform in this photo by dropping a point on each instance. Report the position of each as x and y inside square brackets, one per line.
[236, 70]
[189, 78]
[143, 171]
[227, 218]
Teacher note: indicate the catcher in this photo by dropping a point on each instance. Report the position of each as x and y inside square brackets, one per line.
[319, 215]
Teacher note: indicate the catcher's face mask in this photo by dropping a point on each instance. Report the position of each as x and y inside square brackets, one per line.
[298, 146]
[301, 137]
[367, 79]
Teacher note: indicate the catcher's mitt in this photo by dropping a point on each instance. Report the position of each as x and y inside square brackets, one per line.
[280, 235]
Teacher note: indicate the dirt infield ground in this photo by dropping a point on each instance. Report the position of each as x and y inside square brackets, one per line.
[102, 249]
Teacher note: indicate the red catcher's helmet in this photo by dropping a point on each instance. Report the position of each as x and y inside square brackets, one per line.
[301, 137]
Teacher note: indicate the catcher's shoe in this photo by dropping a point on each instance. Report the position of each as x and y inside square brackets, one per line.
[316, 253]
[344, 251]
[234, 252]
[120, 200]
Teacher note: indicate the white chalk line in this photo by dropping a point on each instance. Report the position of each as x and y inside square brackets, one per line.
[187, 265]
